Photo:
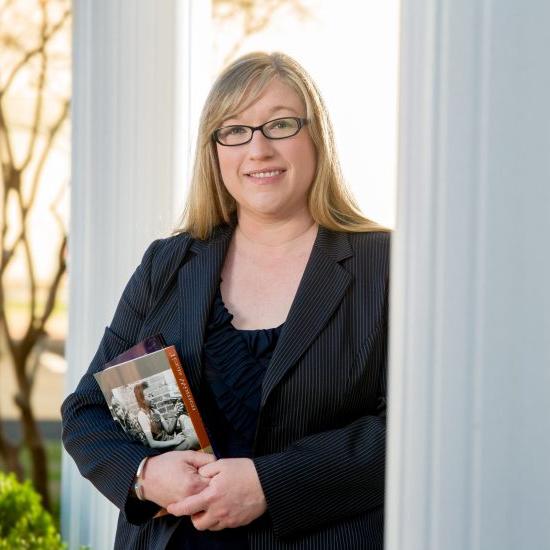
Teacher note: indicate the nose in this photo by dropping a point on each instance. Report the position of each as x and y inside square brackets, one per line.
[260, 146]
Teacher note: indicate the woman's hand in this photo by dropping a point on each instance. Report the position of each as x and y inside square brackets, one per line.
[168, 423]
[233, 497]
[172, 476]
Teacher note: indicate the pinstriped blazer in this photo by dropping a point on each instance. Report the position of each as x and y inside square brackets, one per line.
[320, 442]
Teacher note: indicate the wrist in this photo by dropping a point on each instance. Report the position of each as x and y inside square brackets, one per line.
[139, 479]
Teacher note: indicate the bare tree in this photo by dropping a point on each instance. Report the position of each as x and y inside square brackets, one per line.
[30, 58]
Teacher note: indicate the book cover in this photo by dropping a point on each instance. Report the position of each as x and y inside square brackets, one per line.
[149, 345]
[149, 396]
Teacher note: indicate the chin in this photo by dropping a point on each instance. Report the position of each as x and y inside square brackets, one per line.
[264, 209]
[278, 213]
[283, 208]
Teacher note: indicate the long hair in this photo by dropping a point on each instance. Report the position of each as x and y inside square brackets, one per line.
[139, 394]
[239, 86]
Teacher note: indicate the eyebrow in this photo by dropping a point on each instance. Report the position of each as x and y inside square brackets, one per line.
[282, 108]
[269, 113]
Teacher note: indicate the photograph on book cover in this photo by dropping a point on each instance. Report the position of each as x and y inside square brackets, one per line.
[148, 405]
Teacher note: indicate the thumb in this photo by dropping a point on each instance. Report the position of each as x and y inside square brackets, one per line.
[189, 505]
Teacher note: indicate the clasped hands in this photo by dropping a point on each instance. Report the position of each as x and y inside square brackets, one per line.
[215, 493]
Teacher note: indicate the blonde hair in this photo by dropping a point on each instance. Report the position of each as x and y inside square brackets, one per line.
[239, 86]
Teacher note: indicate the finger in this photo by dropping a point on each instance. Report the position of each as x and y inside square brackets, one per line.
[203, 521]
[198, 459]
[189, 505]
[211, 469]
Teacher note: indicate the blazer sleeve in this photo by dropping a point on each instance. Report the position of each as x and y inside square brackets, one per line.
[103, 452]
[335, 474]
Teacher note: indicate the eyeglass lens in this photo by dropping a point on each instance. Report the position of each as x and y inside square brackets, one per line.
[274, 129]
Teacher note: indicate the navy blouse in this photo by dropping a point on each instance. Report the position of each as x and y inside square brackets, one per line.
[235, 362]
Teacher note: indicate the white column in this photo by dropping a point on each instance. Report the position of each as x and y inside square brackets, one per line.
[469, 425]
[137, 71]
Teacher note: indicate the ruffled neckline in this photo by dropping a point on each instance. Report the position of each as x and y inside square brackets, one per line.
[235, 365]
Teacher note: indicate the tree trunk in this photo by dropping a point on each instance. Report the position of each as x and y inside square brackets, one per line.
[39, 459]
[31, 433]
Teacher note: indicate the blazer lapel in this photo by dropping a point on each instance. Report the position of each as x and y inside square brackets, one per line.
[198, 279]
[321, 289]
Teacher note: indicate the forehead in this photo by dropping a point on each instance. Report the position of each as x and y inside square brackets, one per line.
[276, 99]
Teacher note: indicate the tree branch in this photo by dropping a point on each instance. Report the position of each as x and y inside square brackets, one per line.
[44, 155]
[31, 53]
[52, 291]
[4, 228]
[5, 139]
[4, 323]
[39, 92]
[7, 254]
[29, 258]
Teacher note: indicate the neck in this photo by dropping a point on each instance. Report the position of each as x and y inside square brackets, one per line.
[274, 233]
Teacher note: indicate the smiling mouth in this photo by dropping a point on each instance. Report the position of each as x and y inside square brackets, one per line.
[266, 174]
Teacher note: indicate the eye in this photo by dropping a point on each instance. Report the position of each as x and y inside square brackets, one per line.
[230, 132]
[280, 124]
[235, 130]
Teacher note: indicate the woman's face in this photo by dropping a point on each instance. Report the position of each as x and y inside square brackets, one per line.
[291, 161]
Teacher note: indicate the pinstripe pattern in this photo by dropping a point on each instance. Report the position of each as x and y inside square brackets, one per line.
[320, 442]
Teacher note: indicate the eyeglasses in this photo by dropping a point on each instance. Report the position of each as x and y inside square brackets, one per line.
[279, 128]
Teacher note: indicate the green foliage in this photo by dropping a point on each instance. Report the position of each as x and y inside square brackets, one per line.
[24, 524]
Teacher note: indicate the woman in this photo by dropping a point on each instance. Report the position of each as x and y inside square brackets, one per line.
[158, 432]
[275, 294]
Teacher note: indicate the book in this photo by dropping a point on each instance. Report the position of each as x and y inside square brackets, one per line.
[149, 396]
[149, 345]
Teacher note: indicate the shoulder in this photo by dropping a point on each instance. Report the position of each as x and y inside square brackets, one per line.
[373, 245]
[162, 250]
[369, 239]
[163, 257]
[370, 259]
[157, 268]
[173, 248]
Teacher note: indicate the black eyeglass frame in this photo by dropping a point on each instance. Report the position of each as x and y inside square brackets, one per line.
[301, 123]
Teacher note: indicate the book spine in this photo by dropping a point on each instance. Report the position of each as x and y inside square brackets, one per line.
[188, 398]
